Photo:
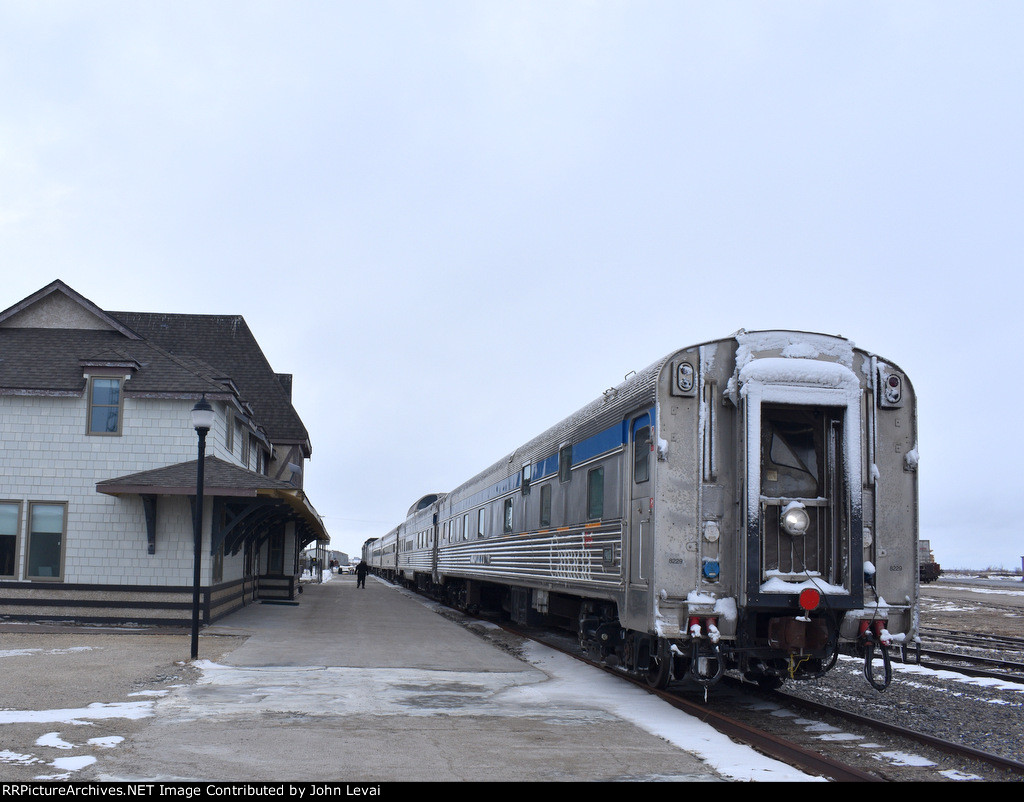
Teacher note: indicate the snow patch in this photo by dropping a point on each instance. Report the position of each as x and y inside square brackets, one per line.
[54, 741]
[97, 711]
[73, 763]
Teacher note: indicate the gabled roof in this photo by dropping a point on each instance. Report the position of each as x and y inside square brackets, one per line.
[55, 361]
[226, 343]
[51, 339]
[58, 306]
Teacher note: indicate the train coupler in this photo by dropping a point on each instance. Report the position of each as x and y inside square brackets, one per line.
[706, 665]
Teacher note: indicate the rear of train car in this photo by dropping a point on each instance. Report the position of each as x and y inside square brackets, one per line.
[745, 504]
[782, 527]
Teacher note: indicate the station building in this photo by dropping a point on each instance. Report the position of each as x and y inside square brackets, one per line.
[98, 465]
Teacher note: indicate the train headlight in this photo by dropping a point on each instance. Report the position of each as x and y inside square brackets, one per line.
[796, 521]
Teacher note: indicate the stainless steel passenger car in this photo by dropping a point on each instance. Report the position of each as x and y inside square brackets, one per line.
[748, 503]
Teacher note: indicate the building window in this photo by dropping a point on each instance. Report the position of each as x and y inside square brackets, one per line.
[545, 505]
[229, 431]
[104, 406]
[10, 515]
[218, 565]
[275, 553]
[595, 493]
[507, 527]
[565, 463]
[45, 539]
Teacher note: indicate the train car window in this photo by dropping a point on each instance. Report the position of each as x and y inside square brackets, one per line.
[642, 452]
[792, 445]
[565, 464]
[527, 475]
[481, 518]
[545, 505]
[465, 526]
[595, 493]
[507, 526]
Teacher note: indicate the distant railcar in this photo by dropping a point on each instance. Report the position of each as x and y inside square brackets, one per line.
[929, 569]
[746, 504]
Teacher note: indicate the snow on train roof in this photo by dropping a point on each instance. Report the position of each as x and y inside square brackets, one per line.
[792, 344]
[781, 370]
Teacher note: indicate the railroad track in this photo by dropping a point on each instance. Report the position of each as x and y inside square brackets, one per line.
[974, 640]
[997, 762]
[974, 665]
[815, 761]
[782, 749]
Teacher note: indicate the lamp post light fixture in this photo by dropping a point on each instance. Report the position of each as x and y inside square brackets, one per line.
[202, 421]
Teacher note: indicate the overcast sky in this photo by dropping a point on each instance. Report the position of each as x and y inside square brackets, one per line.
[458, 222]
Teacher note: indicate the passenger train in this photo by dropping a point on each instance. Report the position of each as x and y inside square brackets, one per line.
[748, 504]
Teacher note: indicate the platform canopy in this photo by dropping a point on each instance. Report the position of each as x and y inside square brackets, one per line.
[253, 504]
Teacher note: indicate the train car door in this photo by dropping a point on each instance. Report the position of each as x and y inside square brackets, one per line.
[803, 505]
[641, 519]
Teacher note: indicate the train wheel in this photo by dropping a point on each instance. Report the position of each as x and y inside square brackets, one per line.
[659, 665]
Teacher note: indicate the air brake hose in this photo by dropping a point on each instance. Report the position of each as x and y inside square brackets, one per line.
[869, 656]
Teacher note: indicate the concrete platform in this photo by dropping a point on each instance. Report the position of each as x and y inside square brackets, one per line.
[372, 685]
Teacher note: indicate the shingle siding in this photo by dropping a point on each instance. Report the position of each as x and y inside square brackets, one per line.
[50, 344]
[47, 456]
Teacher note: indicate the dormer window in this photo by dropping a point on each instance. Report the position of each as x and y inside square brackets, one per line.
[105, 405]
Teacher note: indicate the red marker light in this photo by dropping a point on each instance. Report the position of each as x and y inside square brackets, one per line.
[809, 599]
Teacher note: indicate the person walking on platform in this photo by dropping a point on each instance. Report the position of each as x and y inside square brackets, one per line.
[361, 570]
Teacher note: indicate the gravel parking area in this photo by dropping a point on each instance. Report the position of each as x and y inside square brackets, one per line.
[74, 690]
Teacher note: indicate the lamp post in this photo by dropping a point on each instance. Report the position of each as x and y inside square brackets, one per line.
[202, 421]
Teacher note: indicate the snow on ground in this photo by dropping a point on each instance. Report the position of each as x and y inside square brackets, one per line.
[572, 681]
[79, 715]
[981, 590]
[955, 676]
[572, 687]
[59, 739]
